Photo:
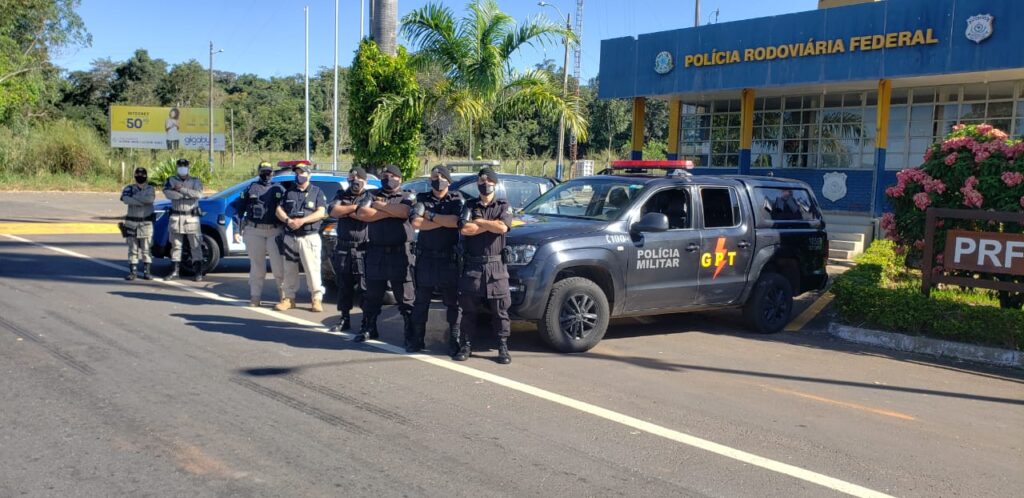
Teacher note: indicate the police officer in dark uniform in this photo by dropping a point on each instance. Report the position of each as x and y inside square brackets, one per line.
[388, 259]
[351, 247]
[484, 283]
[436, 215]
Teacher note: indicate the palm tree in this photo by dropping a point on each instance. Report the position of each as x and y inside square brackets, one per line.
[385, 24]
[473, 53]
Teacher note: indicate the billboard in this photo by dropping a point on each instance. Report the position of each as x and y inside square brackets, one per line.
[169, 128]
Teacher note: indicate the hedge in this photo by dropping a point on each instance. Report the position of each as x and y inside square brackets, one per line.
[880, 293]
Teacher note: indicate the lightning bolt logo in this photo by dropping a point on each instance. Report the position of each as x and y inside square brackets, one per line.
[720, 257]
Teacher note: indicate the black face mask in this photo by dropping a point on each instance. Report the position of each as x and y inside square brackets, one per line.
[439, 185]
[485, 188]
[392, 183]
[265, 175]
[356, 185]
[140, 179]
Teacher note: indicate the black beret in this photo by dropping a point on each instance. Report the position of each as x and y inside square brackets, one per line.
[490, 174]
[443, 171]
[394, 170]
[358, 171]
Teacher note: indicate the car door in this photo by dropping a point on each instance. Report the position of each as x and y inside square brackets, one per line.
[726, 244]
[663, 266]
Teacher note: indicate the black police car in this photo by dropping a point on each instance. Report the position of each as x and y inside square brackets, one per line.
[637, 241]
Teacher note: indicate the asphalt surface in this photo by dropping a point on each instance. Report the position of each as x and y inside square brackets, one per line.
[114, 388]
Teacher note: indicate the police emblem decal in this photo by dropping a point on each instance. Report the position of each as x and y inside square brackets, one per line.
[663, 63]
[833, 186]
[979, 27]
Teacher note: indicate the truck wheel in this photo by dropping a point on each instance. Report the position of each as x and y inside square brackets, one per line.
[211, 255]
[576, 316]
[770, 304]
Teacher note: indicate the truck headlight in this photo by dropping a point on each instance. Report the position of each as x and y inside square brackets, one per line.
[521, 254]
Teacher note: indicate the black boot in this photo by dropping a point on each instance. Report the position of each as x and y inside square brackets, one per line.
[197, 269]
[146, 273]
[409, 331]
[453, 340]
[174, 272]
[503, 356]
[367, 330]
[465, 350]
[344, 324]
[416, 342]
[131, 272]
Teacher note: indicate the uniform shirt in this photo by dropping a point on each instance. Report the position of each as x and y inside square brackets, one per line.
[186, 198]
[487, 243]
[440, 239]
[349, 228]
[140, 203]
[391, 231]
[259, 198]
[301, 203]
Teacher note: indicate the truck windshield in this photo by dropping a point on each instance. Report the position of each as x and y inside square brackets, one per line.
[587, 198]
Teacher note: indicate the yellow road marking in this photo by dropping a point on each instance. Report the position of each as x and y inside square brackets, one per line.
[57, 228]
[809, 313]
[845, 404]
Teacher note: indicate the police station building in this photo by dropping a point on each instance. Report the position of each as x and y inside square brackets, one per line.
[841, 98]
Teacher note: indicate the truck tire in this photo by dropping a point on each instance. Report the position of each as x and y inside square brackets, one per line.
[576, 316]
[770, 304]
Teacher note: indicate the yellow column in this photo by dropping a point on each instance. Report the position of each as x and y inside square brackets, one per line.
[746, 128]
[675, 109]
[639, 105]
[878, 201]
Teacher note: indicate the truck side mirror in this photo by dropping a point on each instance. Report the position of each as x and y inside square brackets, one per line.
[650, 222]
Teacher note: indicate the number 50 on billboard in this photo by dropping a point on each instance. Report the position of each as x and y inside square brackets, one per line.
[170, 128]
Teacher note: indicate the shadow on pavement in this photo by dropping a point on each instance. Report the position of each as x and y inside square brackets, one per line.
[265, 330]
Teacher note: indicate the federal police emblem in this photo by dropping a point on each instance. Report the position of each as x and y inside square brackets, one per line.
[663, 63]
[979, 27]
[833, 186]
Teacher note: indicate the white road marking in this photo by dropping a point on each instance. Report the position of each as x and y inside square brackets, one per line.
[597, 411]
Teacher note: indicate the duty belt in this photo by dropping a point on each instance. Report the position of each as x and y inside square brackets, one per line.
[181, 213]
[350, 244]
[253, 224]
[433, 254]
[139, 219]
[395, 249]
[483, 259]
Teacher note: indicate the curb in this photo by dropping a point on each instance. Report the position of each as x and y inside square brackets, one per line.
[929, 346]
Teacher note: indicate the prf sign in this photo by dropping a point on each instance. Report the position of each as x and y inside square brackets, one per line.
[987, 252]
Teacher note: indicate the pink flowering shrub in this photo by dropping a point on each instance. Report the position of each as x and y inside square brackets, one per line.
[974, 167]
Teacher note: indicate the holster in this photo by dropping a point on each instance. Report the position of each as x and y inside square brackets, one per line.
[286, 252]
[126, 231]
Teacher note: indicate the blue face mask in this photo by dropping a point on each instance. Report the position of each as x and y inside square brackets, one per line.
[301, 179]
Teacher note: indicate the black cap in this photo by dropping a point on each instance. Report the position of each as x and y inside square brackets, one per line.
[490, 174]
[301, 167]
[358, 171]
[443, 171]
[394, 170]
[183, 163]
[142, 170]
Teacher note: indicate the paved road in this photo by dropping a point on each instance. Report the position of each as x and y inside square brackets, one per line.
[143, 388]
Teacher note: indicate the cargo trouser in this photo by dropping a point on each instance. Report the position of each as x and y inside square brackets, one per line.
[186, 227]
[306, 248]
[384, 265]
[260, 242]
[436, 272]
[349, 275]
[484, 286]
[140, 246]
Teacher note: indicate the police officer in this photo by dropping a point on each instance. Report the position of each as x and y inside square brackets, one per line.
[351, 247]
[484, 282]
[184, 191]
[436, 215]
[388, 259]
[138, 224]
[256, 219]
[302, 210]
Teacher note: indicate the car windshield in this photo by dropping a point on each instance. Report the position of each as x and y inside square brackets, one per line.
[587, 198]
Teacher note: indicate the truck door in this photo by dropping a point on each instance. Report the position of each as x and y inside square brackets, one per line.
[663, 267]
[727, 245]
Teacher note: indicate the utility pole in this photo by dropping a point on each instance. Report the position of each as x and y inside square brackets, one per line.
[334, 167]
[210, 156]
[696, 13]
[559, 166]
[362, 19]
[305, 10]
[232, 138]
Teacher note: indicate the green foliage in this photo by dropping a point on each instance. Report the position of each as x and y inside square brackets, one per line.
[160, 172]
[60, 147]
[383, 90]
[881, 293]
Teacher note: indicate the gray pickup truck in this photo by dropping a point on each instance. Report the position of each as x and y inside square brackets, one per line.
[636, 242]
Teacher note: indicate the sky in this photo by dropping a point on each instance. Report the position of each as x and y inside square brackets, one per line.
[266, 37]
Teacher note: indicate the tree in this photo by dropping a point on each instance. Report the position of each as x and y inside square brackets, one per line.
[383, 90]
[30, 30]
[186, 85]
[609, 121]
[474, 54]
[385, 24]
[136, 81]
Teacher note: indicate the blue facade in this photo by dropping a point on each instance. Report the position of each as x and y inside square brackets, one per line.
[631, 61]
